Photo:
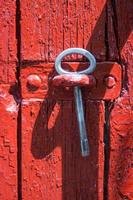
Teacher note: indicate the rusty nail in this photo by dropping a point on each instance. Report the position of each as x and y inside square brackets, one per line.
[110, 82]
[33, 82]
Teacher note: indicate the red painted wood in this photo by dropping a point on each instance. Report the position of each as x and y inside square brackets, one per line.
[43, 74]
[45, 32]
[8, 31]
[7, 41]
[71, 80]
[120, 177]
[54, 172]
[111, 31]
[52, 165]
[8, 145]
[121, 155]
[8, 105]
[49, 27]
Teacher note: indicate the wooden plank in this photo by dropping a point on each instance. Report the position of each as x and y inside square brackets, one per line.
[7, 41]
[52, 165]
[120, 178]
[125, 40]
[49, 27]
[8, 105]
[121, 151]
[8, 144]
[8, 30]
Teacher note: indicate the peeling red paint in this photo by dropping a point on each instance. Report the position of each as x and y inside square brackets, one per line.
[46, 73]
[8, 106]
[8, 145]
[120, 183]
[52, 150]
[40, 155]
[71, 80]
[121, 150]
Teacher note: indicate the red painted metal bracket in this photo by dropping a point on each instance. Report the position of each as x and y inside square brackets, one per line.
[36, 81]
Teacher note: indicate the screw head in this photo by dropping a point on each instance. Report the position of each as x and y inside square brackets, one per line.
[110, 82]
[33, 82]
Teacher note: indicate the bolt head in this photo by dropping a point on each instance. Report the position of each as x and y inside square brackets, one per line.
[33, 82]
[110, 82]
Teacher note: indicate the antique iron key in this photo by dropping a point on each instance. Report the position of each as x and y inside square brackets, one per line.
[77, 92]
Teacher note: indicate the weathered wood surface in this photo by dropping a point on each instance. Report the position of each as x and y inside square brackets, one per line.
[120, 177]
[46, 29]
[49, 27]
[55, 172]
[121, 150]
[104, 28]
[52, 165]
[8, 105]
[8, 145]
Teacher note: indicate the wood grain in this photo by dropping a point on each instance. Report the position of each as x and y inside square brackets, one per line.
[49, 27]
[120, 182]
[52, 165]
[8, 105]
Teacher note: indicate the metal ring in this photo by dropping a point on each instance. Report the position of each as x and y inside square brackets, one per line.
[81, 51]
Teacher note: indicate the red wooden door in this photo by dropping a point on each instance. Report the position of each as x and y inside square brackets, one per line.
[39, 141]
[52, 166]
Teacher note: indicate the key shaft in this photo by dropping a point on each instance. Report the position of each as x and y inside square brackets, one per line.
[81, 121]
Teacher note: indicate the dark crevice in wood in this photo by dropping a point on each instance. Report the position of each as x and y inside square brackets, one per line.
[106, 124]
[108, 108]
[106, 153]
[19, 145]
[18, 31]
[26, 63]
